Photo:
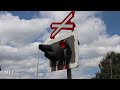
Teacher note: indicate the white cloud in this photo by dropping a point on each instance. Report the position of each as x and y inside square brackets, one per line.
[54, 15]
[19, 46]
[107, 41]
[92, 62]
[90, 30]
[17, 32]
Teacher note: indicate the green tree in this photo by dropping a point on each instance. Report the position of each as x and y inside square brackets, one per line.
[109, 67]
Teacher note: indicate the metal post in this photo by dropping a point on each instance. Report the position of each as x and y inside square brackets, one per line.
[69, 75]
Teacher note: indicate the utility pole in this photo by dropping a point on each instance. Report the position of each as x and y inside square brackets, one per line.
[111, 68]
[0, 67]
[37, 66]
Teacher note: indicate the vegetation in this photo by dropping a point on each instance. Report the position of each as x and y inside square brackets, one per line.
[109, 67]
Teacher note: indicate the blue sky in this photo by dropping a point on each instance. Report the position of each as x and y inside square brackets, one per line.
[25, 14]
[98, 33]
[112, 20]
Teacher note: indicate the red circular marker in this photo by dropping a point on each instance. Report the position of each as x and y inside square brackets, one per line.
[63, 44]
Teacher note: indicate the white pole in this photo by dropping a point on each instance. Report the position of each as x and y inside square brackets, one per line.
[37, 65]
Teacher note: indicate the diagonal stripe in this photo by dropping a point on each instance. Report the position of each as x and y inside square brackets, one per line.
[58, 29]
